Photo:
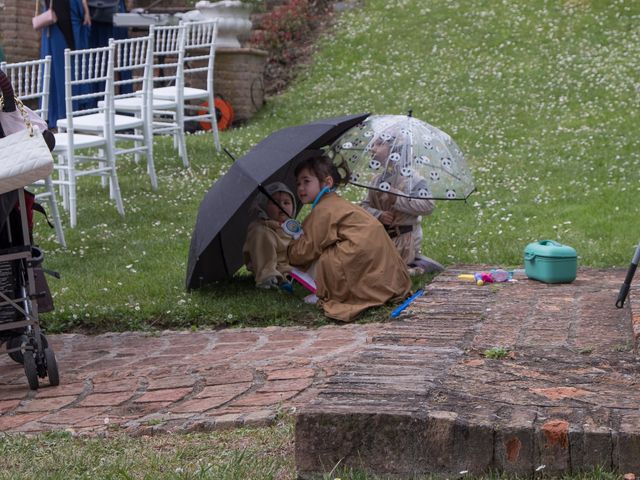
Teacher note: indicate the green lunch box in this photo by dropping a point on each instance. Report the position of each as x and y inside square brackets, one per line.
[550, 262]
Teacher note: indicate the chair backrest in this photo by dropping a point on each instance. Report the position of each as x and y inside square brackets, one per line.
[200, 49]
[132, 68]
[30, 81]
[88, 83]
[168, 54]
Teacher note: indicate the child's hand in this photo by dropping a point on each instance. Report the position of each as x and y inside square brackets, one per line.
[386, 217]
[292, 228]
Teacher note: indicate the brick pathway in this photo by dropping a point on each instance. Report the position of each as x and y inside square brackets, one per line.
[422, 397]
[404, 397]
[176, 381]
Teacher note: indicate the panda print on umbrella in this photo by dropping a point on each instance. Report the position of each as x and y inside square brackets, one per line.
[406, 171]
[384, 186]
[420, 161]
[424, 193]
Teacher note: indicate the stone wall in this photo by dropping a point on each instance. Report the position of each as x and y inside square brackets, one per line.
[18, 39]
[238, 77]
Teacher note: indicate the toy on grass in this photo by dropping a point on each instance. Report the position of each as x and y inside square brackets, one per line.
[304, 279]
[398, 310]
[493, 276]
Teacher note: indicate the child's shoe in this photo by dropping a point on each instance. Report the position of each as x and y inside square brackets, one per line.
[286, 286]
[428, 265]
[311, 299]
[415, 271]
[268, 283]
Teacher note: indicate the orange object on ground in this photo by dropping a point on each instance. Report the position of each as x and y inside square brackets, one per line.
[224, 114]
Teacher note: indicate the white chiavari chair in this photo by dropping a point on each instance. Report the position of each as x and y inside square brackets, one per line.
[77, 155]
[30, 81]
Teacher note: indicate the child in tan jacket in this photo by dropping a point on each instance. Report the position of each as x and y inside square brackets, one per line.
[265, 247]
[355, 264]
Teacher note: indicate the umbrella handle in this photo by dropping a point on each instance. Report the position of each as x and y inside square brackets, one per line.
[224, 149]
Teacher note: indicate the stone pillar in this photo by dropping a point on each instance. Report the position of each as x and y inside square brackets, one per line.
[238, 77]
[19, 40]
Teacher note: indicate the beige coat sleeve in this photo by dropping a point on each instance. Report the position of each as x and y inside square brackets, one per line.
[414, 206]
[368, 206]
[320, 232]
[376, 202]
[261, 254]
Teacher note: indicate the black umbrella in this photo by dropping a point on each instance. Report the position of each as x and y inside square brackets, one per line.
[223, 218]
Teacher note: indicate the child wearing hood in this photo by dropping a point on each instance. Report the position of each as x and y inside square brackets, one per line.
[265, 247]
[354, 262]
[401, 216]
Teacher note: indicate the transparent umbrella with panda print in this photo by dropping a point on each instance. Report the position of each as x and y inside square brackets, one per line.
[404, 156]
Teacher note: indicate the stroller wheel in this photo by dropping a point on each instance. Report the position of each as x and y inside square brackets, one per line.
[52, 367]
[30, 370]
[15, 342]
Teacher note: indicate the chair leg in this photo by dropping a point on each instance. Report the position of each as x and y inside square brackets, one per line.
[55, 213]
[214, 123]
[114, 186]
[116, 189]
[183, 149]
[137, 144]
[63, 186]
[182, 146]
[151, 169]
[73, 213]
[103, 180]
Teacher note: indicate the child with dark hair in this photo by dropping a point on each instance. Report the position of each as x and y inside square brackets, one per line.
[355, 264]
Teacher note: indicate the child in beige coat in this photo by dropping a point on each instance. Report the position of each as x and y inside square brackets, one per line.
[355, 264]
[400, 215]
[265, 247]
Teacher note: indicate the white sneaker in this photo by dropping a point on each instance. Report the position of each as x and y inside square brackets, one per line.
[311, 299]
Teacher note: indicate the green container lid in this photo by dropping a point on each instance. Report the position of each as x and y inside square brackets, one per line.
[548, 248]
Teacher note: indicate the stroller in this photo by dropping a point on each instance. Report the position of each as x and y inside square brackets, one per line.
[23, 288]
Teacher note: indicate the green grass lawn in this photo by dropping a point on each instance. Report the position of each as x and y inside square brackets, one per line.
[239, 454]
[542, 96]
